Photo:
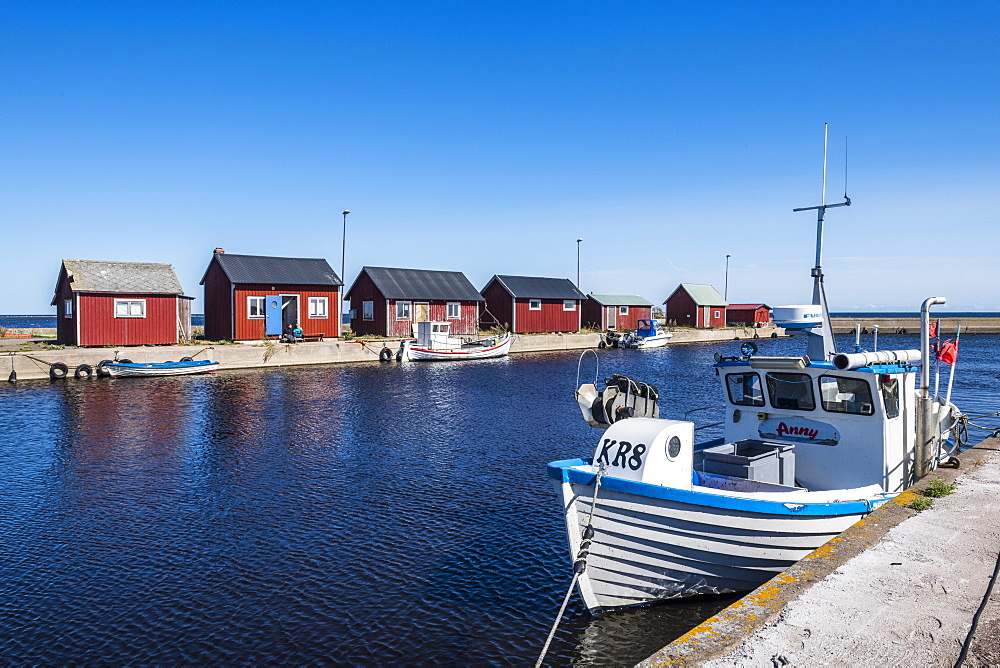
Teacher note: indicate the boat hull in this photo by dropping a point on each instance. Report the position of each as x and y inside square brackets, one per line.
[657, 341]
[415, 354]
[131, 370]
[674, 543]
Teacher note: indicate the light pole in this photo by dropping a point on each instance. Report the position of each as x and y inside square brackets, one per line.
[343, 247]
[725, 294]
[578, 263]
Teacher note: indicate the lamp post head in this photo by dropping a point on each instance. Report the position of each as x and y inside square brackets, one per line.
[579, 240]
[346, 211]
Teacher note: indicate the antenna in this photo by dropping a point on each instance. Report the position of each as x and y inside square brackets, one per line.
[821, 343]
[846, 198]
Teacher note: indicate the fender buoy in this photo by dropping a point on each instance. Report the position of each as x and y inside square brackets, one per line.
[399, 355]
[385, 355]
[774, 335]
[602, 344]
[83, 371]
[12, 378]
[58, 371]
[102, 369]
[126, 361]
[187, 359]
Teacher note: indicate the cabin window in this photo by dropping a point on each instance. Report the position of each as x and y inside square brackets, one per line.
[130, 308]
[317, 307]
[454, 310]
[623, 310]
[255, 307]
[367, 310]
[745, 389]
[403, 310]
[890, 395]
[846, 395]
[535, 304]
[569, 305]
[68, 308]
[792, 391]
[717, 313]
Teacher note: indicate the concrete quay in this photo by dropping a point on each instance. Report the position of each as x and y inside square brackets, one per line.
[34, 364]
[899, 588]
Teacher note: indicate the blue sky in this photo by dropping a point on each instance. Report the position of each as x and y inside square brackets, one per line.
[486, 137]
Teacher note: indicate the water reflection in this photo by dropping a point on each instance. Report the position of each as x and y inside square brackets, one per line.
[369, 514]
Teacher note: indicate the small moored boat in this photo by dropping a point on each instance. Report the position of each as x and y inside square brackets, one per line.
[647, 334]
[434, 342]
[182, 368]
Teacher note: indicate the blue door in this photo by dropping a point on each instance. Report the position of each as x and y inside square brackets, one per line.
[273, 315]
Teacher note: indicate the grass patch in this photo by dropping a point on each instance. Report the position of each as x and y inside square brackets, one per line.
[921, 503]
[939, 487]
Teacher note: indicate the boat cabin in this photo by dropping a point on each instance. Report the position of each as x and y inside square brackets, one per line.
[647, 328]
[436, 335]
[838, 427]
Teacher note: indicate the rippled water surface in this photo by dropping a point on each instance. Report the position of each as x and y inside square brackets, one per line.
[370, 514]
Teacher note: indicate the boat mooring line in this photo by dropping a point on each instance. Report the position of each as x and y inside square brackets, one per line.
[579, 566]
[975, 619]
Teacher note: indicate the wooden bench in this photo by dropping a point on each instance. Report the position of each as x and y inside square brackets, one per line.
[313, 337]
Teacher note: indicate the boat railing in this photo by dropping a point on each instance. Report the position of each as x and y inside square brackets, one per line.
[704, 408]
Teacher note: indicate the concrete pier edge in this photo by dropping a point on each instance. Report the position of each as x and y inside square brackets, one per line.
[717, 636]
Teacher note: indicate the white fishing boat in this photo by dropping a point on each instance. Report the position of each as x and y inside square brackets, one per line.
[183, 368]
[812, 443]
[434, 342]
[647, 334]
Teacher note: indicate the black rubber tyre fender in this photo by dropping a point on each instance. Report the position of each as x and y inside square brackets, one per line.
[83, 371]
[126, 361]
[58, 371]
[602, 345]
[385, 355]
[102, 369]
[187, 359]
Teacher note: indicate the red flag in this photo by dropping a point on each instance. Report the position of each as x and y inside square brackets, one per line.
[948, 352]
[933, 332]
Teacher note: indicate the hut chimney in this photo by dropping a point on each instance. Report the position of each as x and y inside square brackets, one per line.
[219, 251]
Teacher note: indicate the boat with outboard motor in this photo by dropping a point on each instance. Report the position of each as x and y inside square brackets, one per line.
[647, 334]
[812, 443]
[434, 342]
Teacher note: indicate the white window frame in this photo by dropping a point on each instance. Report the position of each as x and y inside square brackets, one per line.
[261, 306]
[67, 308]
[717, 314]
[623, 310]
[535, 304]
[314, 310]
[129, 304]
[368, 310]
[404, 310]
[569, 304]
[454, 310]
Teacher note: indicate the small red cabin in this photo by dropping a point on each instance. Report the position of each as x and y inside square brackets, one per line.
[615, 311]
[120, 304]
[529, 304]
[253, 296]
[695, 305]
[748, 315]
[389, 302]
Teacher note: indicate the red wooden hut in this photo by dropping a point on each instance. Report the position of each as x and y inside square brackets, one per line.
[252, 296]
[530, 304]
[119, 304]
[388, 301]
[695, 305]
[748, 315]
[615, 311]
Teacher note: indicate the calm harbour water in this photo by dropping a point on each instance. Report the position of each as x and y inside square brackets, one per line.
[357, 514]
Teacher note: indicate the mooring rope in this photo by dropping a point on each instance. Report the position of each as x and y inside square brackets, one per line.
[579, 566]
[975, 619]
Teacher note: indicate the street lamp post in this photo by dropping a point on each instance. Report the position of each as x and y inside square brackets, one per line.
[343, 246]
[725, 294]
[578, 263]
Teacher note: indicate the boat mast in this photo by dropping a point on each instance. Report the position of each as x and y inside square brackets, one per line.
[821, 345]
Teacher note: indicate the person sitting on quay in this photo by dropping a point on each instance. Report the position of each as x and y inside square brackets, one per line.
[297, 332]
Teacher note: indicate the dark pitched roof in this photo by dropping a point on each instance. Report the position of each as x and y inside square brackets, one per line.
[428, 284]
[122, 277]
[539, 288]
[620, 300]
[278, 270]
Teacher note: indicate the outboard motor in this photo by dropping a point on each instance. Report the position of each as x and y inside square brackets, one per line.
[621, 398]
